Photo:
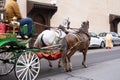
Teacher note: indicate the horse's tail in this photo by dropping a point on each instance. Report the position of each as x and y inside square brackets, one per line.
[42, 41]
[63, 45]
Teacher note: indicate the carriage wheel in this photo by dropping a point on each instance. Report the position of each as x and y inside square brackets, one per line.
[6, 64]
[27, 66]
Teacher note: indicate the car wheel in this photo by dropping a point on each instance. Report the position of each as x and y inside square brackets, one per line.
[102, 45]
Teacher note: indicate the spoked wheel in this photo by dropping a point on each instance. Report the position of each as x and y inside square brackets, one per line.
[27, 66]
[6, 64]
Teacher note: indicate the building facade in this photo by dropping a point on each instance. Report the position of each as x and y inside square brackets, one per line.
[103, 15]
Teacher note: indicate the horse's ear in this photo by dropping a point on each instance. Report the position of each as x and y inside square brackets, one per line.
[68, 25]
[60, 26]
[87, 22]
[84, 22]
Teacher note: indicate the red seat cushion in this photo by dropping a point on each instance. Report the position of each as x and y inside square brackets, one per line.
[2, 28]
[10, 29]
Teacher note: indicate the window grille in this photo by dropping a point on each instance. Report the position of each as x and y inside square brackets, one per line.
[2, 10]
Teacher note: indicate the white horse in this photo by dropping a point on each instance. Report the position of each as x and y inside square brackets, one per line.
[49, 37]
[52, 37]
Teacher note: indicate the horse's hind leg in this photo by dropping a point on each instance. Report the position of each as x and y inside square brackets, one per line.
[50, 64]
[84, 58]
[59, 63]
[64, 61]
[64, 54]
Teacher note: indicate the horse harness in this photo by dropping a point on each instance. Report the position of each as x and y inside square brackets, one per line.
[77, 36]
[78, 42]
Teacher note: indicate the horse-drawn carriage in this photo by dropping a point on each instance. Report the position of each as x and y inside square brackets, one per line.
[25, 60]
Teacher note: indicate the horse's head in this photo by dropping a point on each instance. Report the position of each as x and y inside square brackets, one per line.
[85, 24]
[84, 27]
[66, 23]
[65, 26]
[63, 29]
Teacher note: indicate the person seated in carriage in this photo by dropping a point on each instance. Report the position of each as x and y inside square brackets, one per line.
[12, 9]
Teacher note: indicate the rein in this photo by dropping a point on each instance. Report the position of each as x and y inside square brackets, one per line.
[58, 33]
[54, 39]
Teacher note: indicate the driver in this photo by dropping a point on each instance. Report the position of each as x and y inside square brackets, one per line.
[12, 10]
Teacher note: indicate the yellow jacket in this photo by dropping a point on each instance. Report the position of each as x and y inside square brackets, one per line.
[12, 9]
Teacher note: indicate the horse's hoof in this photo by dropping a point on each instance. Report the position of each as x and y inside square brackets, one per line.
[50, 65]
[70, 70]
[59, 66]
[85, 66]
[66, 70]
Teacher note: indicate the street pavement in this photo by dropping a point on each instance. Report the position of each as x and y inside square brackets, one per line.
[109, 70]
[105, 70]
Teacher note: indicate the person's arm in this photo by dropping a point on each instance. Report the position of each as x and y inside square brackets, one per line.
[17, 10]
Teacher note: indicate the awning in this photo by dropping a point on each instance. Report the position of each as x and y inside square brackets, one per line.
[42, 6]
[114, 18]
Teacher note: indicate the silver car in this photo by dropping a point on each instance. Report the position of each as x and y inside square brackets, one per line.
[115, 37]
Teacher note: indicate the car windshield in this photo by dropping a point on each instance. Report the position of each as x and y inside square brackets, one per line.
[105, 33]
[102, 34]
[114, 34]
[92, 34]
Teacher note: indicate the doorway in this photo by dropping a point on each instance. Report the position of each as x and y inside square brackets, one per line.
[41, 13]
[114, 21]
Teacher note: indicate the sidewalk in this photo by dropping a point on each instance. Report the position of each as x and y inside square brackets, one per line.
[102, 71]
[103, 49]
[90, 51]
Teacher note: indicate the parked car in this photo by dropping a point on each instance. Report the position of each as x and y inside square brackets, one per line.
[96, 41]
[115, 37]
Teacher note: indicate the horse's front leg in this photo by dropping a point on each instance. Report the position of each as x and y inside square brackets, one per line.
[69, 60]
[84, 58]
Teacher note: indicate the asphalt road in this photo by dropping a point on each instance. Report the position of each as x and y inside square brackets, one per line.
[95, 56]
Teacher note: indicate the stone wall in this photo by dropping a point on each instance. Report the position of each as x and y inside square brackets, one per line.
[23, 7]
[96, 11]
